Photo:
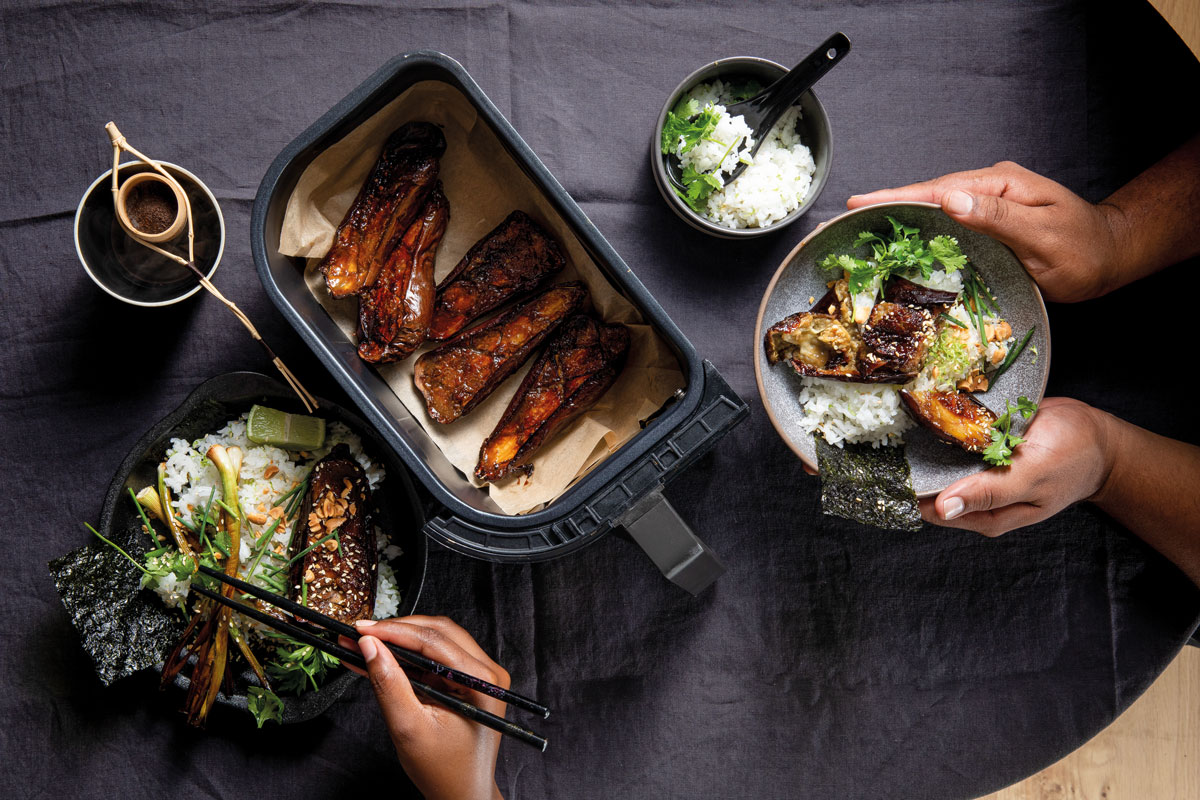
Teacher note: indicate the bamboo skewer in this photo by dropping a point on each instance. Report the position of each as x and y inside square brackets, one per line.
[120, 144]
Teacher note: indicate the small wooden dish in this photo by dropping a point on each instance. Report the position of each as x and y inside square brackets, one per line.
[127, 197]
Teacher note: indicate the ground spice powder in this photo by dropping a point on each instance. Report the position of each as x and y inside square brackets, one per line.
[151, 207]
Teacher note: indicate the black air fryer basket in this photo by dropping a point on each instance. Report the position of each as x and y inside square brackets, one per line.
[624, 489]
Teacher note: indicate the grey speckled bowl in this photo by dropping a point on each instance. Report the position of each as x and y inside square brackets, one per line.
[935, 464]
[814, 132]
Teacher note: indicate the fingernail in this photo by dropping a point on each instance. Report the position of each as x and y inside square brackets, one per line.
[363, 623]
[855, 196]
[367, 646]
[954, 507]
[958, 203]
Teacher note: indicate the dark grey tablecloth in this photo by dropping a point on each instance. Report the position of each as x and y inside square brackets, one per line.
[831, 660]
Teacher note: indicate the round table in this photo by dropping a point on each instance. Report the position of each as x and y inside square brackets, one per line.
[831, 660]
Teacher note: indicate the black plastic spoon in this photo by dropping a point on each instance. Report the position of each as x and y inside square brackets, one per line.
[762, 111]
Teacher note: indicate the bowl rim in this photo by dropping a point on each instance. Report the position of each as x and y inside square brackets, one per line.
[1043, 355]
[658, 170]
[143, 303]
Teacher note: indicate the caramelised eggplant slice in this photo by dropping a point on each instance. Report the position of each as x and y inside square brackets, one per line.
[394, 312]
[513, 259]
[460, 374]
[334, 541]
[895, 340]
[386, 205]
[815, 345]
[956, 417]
[901, 290]
[580, 363]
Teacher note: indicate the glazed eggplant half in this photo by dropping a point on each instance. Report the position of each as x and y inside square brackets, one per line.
[955, 417]
[394, 313]
[461, 374]
[334, 542]
[387, 203]
[888, 347]
[514, 259]
[582, 360]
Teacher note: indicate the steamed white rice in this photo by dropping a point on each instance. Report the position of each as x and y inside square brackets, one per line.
[853, 412]
[778, 178]
[191, 477]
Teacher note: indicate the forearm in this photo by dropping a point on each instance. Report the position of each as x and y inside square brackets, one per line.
[1156, 216]
[1153, 488]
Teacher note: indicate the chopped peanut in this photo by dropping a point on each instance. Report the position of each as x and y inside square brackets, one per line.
[257, 518]
[276, 512]
[270, 471]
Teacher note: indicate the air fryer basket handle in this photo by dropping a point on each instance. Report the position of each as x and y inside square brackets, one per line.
[686, 561]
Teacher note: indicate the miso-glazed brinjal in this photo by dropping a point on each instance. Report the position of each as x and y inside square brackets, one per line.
[387, 203]
[512, 260]
[460, 374]
[334, 541]
[394, 312]
[888, 346]
[581, 361]
[956, 417]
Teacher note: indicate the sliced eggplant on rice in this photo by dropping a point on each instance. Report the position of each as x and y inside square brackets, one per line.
[955, 417]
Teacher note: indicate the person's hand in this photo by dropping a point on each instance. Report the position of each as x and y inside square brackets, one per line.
[445, 755]
[1068, 245]
[1066, 457]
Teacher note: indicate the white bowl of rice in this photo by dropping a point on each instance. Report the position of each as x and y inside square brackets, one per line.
[781, 181]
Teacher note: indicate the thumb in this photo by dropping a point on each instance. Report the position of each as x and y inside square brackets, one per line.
[401, 708]
[999, 218]
[985, 491]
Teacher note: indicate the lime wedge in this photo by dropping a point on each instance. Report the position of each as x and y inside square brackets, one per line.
[289, 431]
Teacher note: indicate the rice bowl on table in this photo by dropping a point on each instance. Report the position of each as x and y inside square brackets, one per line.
[710, 144]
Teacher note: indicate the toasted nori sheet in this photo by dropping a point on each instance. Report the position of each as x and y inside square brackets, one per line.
[868, 485]
[123, 628]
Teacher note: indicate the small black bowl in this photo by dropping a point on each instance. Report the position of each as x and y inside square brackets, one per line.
[210, 406]
[814, 131]
[131, 272]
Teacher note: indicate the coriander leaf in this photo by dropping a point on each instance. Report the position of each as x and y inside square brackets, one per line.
[264, 704]
[998, 452]
[744, 91]
[687, 107]
[681, 133]
[1004, 441]
[866, 237]
[946, 250]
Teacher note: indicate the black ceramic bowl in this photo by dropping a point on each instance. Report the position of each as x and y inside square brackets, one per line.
[814, 133]
[211, 405]
[131, 272]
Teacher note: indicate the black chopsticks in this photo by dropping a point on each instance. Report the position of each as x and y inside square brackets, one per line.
[406, 657]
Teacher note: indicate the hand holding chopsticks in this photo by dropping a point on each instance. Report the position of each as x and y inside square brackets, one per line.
[315, 635]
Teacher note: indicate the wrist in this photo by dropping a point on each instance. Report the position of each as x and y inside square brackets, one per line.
[1115, 246]
[1109, 433]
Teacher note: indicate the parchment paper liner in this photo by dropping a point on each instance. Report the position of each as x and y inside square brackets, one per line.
[484, 184]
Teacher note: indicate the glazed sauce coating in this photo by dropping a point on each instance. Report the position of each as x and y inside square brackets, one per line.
[386, 205]
[582, 360]
[394, 312]
[462, 373]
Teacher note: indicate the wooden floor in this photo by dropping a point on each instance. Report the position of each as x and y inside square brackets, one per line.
[1152, 751]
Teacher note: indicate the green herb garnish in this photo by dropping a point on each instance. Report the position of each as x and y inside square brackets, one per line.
[1004, 441]
[699, 185]
[687, 125]
[296, 666]
[904, 253]
[264, 704]
[952, 320]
